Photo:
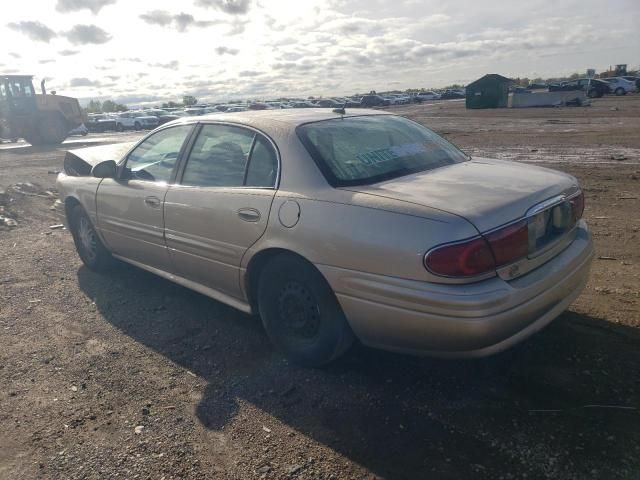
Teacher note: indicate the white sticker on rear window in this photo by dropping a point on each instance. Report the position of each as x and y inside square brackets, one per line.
[391, 153]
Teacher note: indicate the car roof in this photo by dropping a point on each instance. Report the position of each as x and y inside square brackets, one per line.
[291, 117]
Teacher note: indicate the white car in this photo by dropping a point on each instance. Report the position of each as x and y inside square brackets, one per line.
[620, 86]
[401, 98]
[136, 121]
[428, 96]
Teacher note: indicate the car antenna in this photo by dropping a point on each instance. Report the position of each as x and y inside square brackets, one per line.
[341, 110]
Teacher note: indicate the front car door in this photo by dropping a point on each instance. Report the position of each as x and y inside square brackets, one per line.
[220, 205]
[130, 208]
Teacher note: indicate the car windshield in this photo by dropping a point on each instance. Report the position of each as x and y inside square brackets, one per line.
[369, 149]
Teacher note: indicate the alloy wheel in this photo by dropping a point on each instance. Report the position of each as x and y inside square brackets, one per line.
[87, 238]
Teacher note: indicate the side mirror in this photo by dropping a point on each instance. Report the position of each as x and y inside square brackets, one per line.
[105, 169]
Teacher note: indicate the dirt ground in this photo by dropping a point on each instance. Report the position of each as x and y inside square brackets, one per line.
[130, 376]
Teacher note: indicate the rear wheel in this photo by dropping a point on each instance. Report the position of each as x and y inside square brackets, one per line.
[301, 313]
[50, 129]
[89, 246]
[620, 91]
[137, 126]
[119, 127]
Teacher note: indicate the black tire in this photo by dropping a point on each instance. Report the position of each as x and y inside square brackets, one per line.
[620, 91]
[137, 126]
[301, 313]
[119, 127]
[90, 248]
[51, 129]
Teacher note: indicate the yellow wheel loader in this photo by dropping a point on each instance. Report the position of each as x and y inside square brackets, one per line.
[40, 119]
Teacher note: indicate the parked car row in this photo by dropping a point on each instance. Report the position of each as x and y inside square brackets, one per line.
[149, 119]
[595, 87]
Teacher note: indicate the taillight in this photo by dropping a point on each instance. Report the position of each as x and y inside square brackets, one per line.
[464, 259]
[503, 246]
[577, 206]
[482, 254]
[509, 243]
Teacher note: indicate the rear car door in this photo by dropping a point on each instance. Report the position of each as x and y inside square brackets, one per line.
[220, 204]
[130, 208]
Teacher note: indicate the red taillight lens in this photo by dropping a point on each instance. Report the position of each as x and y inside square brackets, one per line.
[509, 243]
[577, 206]
[466, 259]
[480, 255]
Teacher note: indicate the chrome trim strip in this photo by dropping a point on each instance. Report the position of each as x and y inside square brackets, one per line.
[551, 202]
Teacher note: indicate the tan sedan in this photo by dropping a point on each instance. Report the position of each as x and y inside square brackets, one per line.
[336, 225]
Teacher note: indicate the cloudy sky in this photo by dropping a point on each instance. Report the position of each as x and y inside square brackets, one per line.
[152, 50]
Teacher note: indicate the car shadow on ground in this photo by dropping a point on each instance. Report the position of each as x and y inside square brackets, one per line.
[550, 406]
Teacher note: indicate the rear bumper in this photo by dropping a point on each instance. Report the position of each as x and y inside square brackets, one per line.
[472, 320]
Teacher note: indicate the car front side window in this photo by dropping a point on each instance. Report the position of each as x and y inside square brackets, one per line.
[155, 158]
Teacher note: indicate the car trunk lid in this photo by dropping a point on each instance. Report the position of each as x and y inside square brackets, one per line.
[486, 192]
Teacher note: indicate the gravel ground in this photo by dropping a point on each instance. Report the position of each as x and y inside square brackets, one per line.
[130, 376]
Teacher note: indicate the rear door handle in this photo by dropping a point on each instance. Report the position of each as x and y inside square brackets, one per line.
[249, 214]
[153, 202]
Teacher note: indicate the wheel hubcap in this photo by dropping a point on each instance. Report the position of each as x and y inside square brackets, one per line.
[298, 310]
[87, 238]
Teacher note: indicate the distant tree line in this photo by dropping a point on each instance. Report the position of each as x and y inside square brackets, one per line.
[109, 106]
[187, 101]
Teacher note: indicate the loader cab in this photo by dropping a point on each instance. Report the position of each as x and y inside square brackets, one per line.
[17, 96]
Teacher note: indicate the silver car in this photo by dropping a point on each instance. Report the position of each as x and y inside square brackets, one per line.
[335, 225]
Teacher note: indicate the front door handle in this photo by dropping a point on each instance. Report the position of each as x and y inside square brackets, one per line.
[249, 214]
[153, 202]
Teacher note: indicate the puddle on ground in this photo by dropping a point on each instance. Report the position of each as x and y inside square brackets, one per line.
[561, 154]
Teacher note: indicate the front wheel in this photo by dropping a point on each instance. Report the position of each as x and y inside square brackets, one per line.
[620, 91]
[137, 126]
[90, 248]
[301, 313]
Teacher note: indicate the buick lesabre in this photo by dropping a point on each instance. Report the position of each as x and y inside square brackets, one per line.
[334, 226]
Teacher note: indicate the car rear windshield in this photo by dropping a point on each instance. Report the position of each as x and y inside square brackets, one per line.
[373, 148]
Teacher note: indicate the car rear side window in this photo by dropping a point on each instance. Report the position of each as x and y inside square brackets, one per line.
[373, 148]
[219, 157]
[263, 165]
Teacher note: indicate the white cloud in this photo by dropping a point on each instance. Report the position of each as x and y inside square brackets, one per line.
[223, 48]
[36, 31]
[87, 34]
[74, 5]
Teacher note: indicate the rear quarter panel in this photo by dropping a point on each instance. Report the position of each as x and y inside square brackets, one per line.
[360, 237]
